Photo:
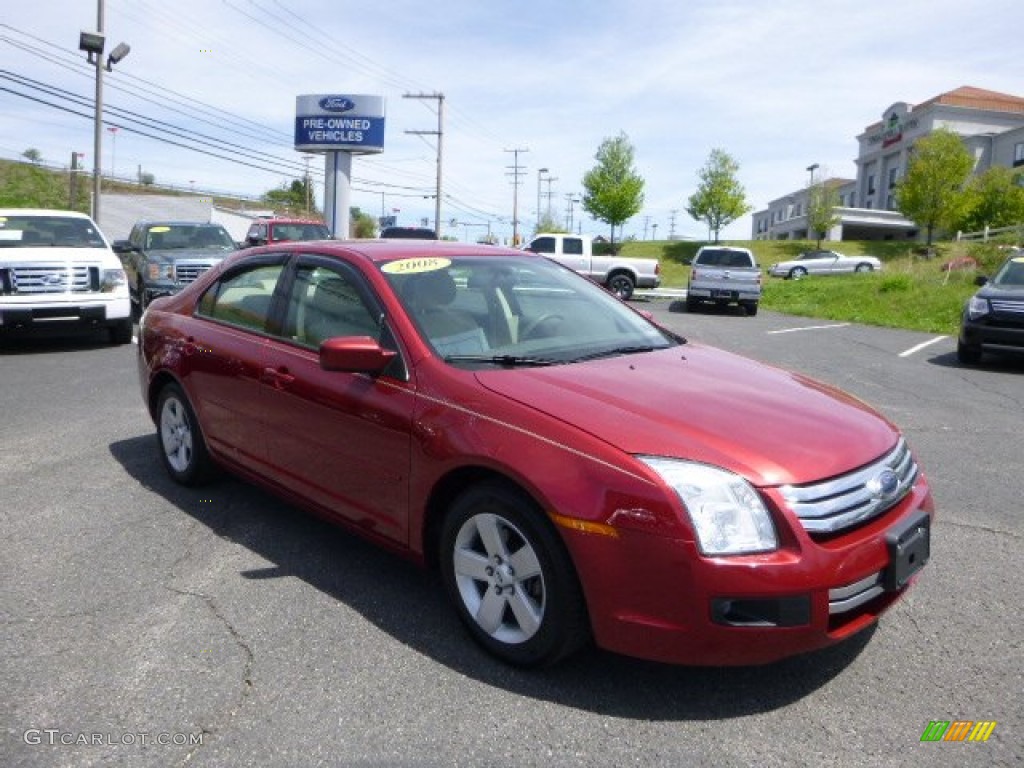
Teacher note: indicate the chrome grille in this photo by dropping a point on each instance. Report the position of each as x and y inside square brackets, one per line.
[1004, 307]
[843, 502]
[187, 271]
[50, 278]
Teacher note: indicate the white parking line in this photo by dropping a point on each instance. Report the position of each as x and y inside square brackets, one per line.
[810, 328]
[922, 345]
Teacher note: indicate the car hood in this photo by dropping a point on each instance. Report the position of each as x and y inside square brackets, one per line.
[179, 254]
[45, 254]
[1002, 292]
[703, 404]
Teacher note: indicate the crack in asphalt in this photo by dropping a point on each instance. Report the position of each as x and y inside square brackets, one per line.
[247, 667]
[982, 528]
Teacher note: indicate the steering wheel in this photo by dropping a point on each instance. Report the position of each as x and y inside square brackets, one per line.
[537, 323]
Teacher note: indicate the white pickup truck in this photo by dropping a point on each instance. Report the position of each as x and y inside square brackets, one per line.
[724, 275]
[618, 274]
[57, 274]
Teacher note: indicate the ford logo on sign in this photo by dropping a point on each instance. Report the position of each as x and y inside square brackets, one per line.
[336, 104]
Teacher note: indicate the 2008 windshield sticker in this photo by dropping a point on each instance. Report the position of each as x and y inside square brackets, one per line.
[412, 266]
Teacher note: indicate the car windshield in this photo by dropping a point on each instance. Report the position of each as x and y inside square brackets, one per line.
[508, 311]
[48, 232]
[1011, 274]
[300, 232]
[169, 237]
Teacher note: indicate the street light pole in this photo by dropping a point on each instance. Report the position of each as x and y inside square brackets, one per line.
[811, 169]
[97, 138]
[93, 44]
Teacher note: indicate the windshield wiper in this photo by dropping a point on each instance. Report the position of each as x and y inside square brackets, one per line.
[505, 360]
[630, 349]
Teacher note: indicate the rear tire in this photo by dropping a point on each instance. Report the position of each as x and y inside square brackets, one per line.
[691, 304]
[864, 268]
[182, 446]
[510, 577]
[621, 285]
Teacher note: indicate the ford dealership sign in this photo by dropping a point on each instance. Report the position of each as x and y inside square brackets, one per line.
[339, 123]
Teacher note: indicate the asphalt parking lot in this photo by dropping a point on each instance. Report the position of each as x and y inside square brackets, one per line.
[144, 624]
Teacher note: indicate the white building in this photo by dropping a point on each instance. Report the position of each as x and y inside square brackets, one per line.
[991, 125]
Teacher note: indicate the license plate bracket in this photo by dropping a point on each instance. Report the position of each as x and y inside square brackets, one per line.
[909, 546]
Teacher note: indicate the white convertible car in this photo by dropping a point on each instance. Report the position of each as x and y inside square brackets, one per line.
[823, 263]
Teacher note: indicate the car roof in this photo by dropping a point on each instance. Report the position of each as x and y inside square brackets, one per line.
[387, 250]
[176, 223]
[288, 220]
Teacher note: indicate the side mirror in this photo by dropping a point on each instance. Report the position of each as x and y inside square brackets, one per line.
[980, 280]
[122, 246]
[355, 354]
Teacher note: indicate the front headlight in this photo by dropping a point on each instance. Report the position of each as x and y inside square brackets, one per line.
[977, 307]
[727, 513]
[112, 279]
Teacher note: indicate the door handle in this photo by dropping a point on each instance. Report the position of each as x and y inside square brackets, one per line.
[278, 378]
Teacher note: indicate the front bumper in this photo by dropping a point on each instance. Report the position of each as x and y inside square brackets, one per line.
[661, 599]
[40, 316]
[986, 332]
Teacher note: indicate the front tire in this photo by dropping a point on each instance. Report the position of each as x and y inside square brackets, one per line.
[797, 273]
[968, 354]
[510, 577]
[751, 308]
[864, 268]
[121, 331]
[182, 446]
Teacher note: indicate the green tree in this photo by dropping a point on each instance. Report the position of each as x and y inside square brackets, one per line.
[720, 198]
[822, 201]
[994, 199]
[613, 192]
[33, 155]
[548, 223]
[293, 197]
[361, 225]
[931, 194]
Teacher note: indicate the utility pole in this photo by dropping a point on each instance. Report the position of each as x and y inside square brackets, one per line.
[516, 174]
[570, 200]
[440, 135]
[672, 224]
[549, 179]
[647, 223]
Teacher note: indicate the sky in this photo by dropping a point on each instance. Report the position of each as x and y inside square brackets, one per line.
[778, 86]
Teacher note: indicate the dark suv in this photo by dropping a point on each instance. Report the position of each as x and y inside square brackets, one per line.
[993, 318]
[408, 233]
[264, 231]
[162, 257]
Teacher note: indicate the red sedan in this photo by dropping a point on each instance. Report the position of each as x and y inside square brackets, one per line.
[576, 472]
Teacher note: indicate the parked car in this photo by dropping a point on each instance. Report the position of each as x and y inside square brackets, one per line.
[573, 470]
[724, 275]
[277, 230]
[58, 274]
[823, 263]
[993, 319]
[408, 233]
[620, 275]
[162, 257]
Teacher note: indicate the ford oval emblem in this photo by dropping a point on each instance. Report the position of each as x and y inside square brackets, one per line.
[336, 104]
[884, 485]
